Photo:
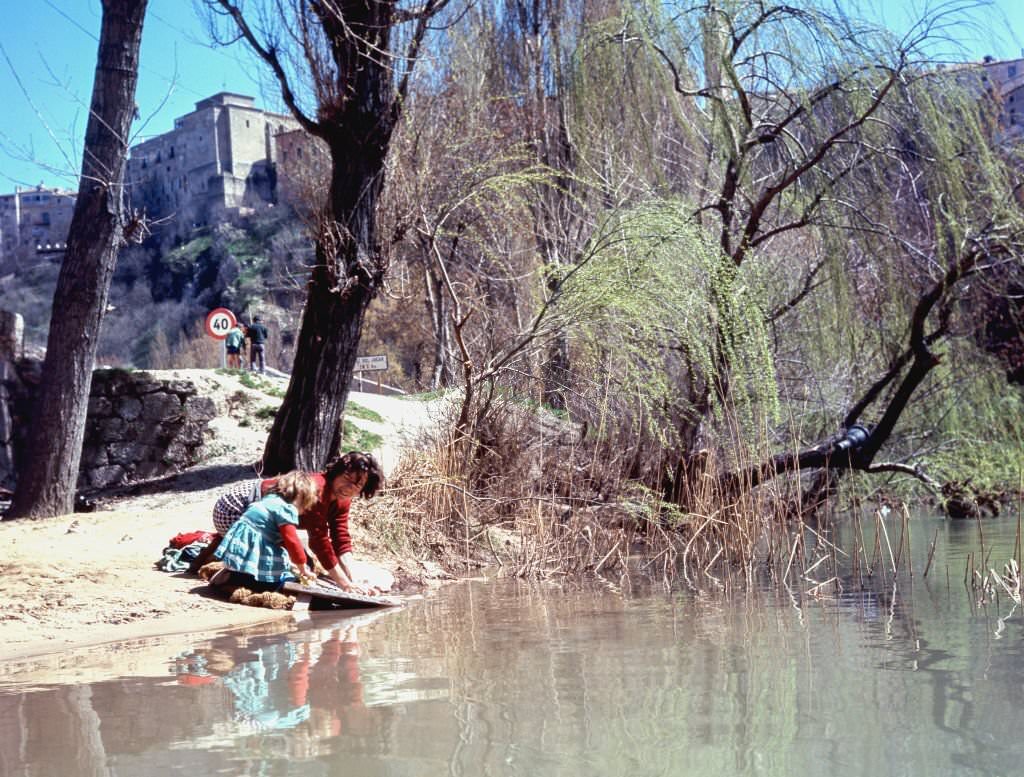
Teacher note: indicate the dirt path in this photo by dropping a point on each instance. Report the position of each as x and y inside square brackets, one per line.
[404, 421]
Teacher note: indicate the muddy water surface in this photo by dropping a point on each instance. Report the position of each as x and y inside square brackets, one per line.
[507, 678]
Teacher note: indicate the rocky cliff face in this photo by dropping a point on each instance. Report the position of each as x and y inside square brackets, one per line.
[256, 265]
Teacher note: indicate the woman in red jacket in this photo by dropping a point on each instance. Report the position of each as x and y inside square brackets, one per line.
[351, 475]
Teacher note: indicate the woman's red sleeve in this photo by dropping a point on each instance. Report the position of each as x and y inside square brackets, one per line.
[340, 538]
[315, 523]
[292, 544]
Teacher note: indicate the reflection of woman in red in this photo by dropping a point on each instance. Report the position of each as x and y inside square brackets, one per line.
[336, 688]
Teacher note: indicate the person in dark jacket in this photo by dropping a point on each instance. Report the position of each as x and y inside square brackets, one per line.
[257, 334]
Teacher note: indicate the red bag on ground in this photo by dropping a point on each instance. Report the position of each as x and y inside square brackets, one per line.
[187, 538]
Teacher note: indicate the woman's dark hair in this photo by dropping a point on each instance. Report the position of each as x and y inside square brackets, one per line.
[357, 461]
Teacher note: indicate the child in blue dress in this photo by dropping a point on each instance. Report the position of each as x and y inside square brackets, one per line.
[258, 546]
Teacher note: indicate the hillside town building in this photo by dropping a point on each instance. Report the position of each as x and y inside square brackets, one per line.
[1007, 76]
[219, 162]
[34, 226]
[303, 170]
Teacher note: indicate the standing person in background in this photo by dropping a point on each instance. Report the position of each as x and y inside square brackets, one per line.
[233, 345]
[257, 334]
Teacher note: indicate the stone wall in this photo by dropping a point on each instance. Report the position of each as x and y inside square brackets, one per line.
[12, 328]
[138, 427]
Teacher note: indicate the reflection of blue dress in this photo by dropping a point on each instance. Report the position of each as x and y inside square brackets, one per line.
[261, 691]
[253, 543]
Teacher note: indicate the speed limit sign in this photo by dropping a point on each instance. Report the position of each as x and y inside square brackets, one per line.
[219, 322]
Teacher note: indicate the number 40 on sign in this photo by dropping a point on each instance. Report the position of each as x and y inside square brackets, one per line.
[219, 322]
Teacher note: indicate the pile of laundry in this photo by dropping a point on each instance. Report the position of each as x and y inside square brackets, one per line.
[188, 551]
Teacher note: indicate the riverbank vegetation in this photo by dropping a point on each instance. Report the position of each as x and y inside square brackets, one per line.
[693, 277]
[702, 276]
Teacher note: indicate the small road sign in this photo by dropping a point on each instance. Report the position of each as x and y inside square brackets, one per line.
[371, 363]
[219, 322]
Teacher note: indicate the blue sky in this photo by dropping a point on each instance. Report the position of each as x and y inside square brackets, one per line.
[49, 50]
[46, 71]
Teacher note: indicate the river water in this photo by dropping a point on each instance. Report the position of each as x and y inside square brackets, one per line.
[606, 678]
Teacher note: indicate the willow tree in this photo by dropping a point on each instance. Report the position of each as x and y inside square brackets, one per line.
[343, 68]
[944, 218]
[533, 43]
[823, 158]
[780, 100]
[99, 227]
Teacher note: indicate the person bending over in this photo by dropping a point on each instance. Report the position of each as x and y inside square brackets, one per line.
[257, 547]
[327, 521]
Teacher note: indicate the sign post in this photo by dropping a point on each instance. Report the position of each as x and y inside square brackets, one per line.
[219, 322]
[376, 364]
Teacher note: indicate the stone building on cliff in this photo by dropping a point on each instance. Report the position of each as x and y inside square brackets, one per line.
[34, 226]
[219, 162]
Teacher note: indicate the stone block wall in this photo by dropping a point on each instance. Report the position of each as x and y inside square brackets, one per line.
[139, 426]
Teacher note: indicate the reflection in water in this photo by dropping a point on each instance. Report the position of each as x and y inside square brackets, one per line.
[507, 678]
[308, 685]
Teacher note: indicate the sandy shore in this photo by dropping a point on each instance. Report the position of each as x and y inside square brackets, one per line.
[89, 579]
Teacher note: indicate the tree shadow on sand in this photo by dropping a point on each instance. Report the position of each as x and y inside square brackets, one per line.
[194, 479]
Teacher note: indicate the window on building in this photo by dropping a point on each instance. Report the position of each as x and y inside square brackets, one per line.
[1011, 71]
[45, 218]
[246, 122]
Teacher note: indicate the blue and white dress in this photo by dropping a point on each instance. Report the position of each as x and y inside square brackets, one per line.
[253, 544]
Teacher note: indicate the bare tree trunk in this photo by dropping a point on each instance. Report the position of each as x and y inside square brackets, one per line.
[347, 52]
[555, 213]
[555, 221]
[438, 308]
[46, 483]
[307, 428]
[348, 275]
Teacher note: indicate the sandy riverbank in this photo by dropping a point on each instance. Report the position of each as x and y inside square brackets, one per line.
[89, 578]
